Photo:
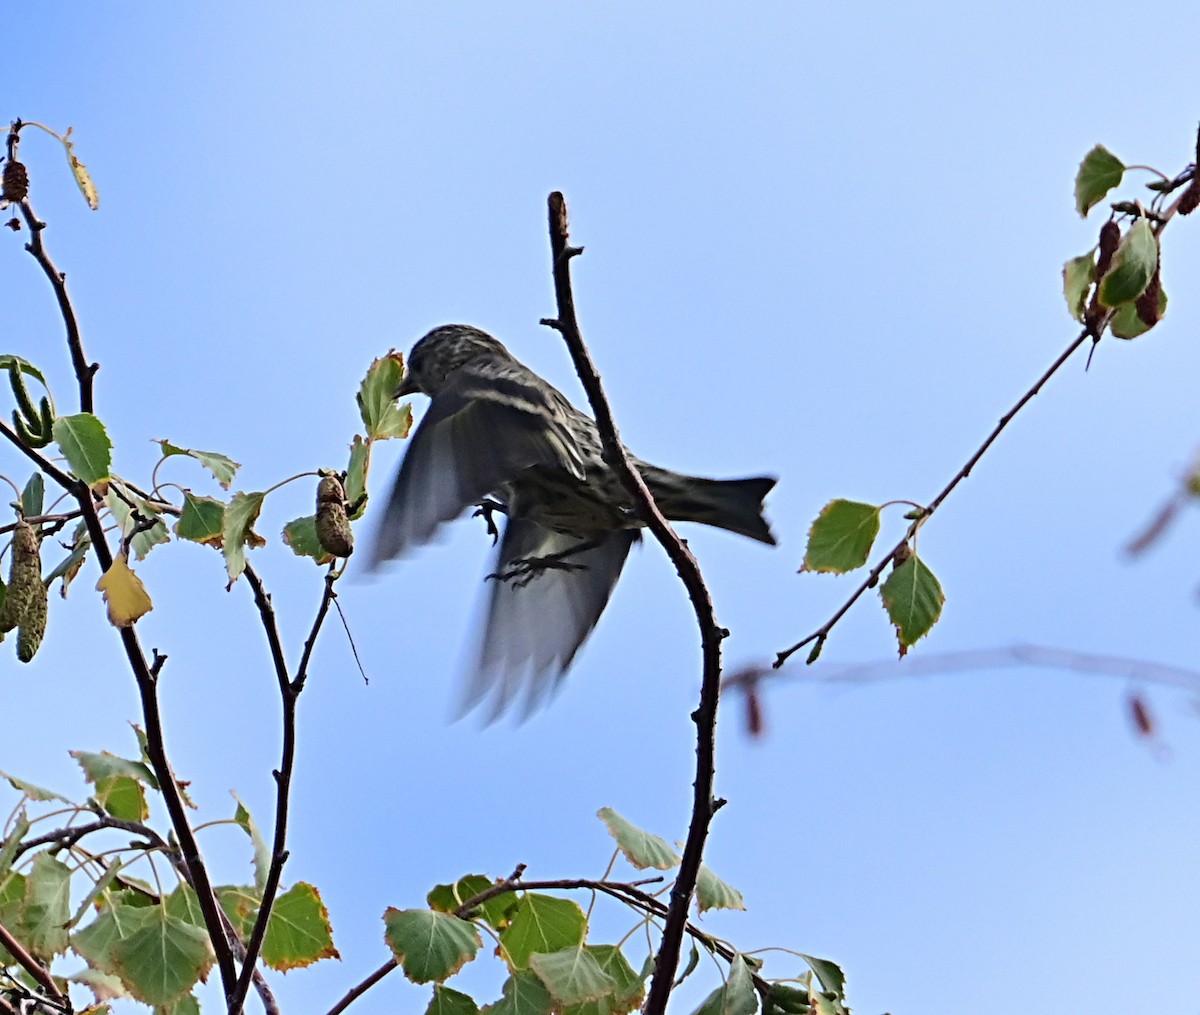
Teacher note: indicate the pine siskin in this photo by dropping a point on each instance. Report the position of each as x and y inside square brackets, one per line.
[496, 430]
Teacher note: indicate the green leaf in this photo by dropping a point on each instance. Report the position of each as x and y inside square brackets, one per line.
[572, 975]
[736, 996]
[85, 444]
[629, 990]
[12, 899]
[186, 1005]
[356, 477]
[238, 533]
[428, 945]
[640, 848]
[221, 466]
[104, 987]
[823, 1004]
[784, 999]
[116, 923]
[377, 399]
[262, 853]
[163, 959]
[118, 783]
[33, 496]
[1078, 275]
[1099, 172]
[103, 766]
[185, 904]
[541, 923]
[913, 599]
[123, 798]
[240, 903]
[298, 933]
[98, 891]
[447, 1001]
[300, 534]
[33, 792]
[692, 963]
[202, 520]
[524, 994]
[830, 974]
[1133, 266]
[841, 538]
[45, 910]
[713, 893]
[12, 842]
[122, 513]
[69, 567]
[495, 911]
[8, 361]
[1127, 324]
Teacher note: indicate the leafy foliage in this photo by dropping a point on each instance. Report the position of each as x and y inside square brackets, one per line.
[74, 873]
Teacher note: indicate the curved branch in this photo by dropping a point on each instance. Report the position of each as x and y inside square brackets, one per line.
[704, 805]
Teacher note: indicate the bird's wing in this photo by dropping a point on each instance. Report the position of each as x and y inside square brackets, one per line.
[534, 630]
[493, 419]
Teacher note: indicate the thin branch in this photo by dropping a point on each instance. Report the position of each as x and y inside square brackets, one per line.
[289, 692]
[1086, 663]
[84, 371]
[704, 805]
[1093, 330]
[360, 988]
[65, 838]
[30, 964]
[822, 632]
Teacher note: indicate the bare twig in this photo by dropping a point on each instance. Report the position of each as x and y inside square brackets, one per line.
[1088, 663]
[84, 371]
[704, 805]
[289, 692]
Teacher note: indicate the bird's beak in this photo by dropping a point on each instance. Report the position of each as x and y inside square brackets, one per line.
[408, 386]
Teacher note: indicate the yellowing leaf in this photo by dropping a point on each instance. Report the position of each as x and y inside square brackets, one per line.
[124, 594]
[81, 174]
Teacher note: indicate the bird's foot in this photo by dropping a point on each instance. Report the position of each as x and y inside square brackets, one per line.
[486, 509]
[522, 571]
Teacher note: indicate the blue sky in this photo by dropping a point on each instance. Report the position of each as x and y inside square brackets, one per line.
[823, 242]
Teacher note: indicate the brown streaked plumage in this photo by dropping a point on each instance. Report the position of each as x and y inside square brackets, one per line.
[495, 429]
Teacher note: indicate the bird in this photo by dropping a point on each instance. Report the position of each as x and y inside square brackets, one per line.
[498, 437]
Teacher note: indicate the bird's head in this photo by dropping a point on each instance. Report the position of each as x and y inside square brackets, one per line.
[436, 356]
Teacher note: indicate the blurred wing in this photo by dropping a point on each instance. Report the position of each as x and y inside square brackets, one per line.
[492, 420]
[533, 631]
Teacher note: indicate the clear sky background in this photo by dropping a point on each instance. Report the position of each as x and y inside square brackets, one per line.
[824, 242]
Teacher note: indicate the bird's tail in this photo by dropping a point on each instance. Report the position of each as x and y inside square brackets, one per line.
[733, 504]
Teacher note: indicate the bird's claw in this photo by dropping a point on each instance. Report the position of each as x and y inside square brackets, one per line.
[523, 570]
[486, 509]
